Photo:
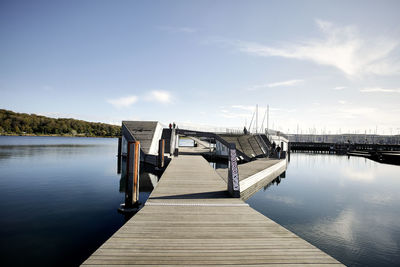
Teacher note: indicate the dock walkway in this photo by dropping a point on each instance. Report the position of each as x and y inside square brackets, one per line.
[190, 220]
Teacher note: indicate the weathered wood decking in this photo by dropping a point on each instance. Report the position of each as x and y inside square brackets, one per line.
[190, 220]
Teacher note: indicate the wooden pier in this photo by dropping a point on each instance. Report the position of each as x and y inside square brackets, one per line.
[191, 220]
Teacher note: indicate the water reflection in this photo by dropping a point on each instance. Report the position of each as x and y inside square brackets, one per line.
[52, 193]
[276, 181]
[347, 207]
[148, 179]
[15, 151]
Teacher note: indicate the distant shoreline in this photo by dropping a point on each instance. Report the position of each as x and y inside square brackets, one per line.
[23, 124]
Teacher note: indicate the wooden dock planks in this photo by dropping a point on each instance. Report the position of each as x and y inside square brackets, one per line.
[190, 220]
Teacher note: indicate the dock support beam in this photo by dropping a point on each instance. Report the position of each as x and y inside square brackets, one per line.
[233, 172]
[132, 178]
[161, 145]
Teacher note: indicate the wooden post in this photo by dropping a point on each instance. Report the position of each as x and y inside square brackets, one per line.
[132, 172]
[119, 156]
[161, 144]
[233, 172]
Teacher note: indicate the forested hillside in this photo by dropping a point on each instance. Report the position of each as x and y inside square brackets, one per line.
[22, 123]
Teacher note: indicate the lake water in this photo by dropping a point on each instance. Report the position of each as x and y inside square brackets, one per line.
[348, 207]
[59, 198]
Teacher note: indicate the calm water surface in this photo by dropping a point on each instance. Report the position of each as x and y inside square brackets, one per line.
[58, 197]
[348, 207]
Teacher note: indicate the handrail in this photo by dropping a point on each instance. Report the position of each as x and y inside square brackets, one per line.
[212, 135]
[265, 145]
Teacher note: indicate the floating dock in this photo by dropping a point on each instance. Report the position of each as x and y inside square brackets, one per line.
[190, 219]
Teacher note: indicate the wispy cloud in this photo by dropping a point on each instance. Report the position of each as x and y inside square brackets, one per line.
[123, 102]
[285, 83]
[177, 29]
[379, 90]
[339, 88]
[339, 47]
[276, 84]
[342, 102]
[160, 96]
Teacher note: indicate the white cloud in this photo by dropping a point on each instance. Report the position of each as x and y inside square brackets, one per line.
[379, 90]
[339, 47]
[160, 96]
[276, 84]
[123, 102]
[343, 102]
[339, 88]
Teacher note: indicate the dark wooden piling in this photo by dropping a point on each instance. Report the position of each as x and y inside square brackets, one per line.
[132, 172]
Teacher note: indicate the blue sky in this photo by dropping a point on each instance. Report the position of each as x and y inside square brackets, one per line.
[325, 65]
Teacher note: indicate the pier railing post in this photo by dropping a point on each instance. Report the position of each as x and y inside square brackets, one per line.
[233, 172]
[132, 177]
[161, 144]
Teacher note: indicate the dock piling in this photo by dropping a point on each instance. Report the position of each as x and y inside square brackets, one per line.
[132, 178]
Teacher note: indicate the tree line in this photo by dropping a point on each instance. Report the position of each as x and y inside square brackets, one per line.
[12, 123]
